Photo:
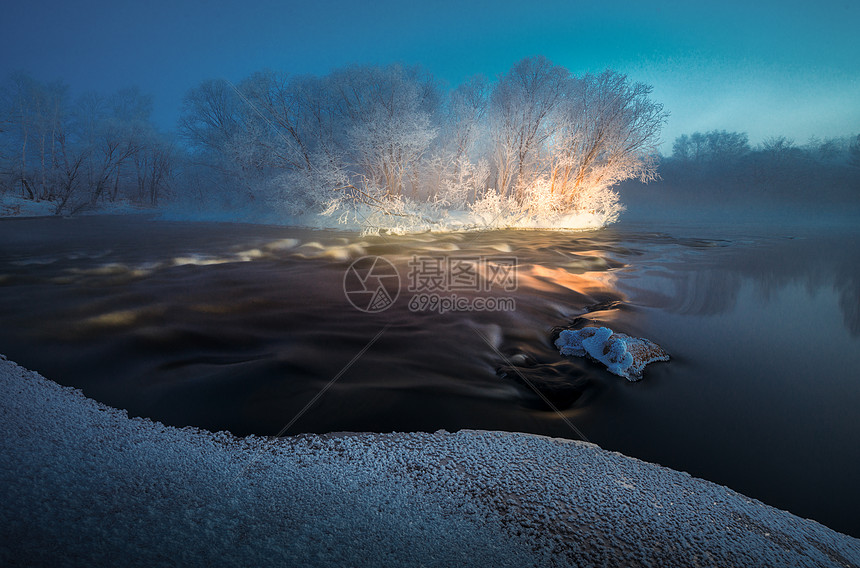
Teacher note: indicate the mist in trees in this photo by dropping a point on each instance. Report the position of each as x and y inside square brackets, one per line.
[82, 153]
[725, 164]
[721, 171]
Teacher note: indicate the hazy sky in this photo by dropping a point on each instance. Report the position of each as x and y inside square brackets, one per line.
[767, 68]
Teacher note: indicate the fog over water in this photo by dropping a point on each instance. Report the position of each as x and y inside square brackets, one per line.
[239, 327]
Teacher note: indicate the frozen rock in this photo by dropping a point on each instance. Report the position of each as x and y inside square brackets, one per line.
[623, 355]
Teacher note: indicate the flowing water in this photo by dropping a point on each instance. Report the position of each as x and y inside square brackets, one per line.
[253, 329]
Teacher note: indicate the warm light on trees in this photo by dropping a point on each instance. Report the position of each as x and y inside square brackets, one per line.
[532, 146]
[537, 141]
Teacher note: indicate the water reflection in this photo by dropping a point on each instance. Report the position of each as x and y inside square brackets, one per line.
[689, 283]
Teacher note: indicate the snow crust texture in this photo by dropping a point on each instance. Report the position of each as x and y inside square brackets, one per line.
[623, 355]
[84, 484]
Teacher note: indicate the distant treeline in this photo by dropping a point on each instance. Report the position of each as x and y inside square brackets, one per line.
[720, 164]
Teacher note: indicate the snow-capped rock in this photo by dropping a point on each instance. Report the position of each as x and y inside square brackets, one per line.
[622, 354]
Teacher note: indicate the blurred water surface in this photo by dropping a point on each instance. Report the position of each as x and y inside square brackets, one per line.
[238, 327]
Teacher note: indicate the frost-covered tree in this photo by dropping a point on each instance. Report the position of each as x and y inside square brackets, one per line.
[221, 124]
[521, 109]
[38, 123]
[114, 129]
[464, 115]
[154, 167]
[607, 130]
[361, 132]
[211, 115]
[560, 142]
[388, 113]
[73, 154]
[389, 141]
[456, 168]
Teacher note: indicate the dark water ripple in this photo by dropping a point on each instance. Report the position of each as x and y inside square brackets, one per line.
[238, 327]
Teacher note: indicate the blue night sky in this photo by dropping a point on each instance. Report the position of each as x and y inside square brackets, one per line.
[767, 68]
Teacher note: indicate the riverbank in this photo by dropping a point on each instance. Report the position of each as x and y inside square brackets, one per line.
[12, 206]
[83, 484]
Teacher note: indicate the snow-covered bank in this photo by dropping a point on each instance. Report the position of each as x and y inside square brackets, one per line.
[15, 206]
[82, 484]
[418, 219]
[406, 219]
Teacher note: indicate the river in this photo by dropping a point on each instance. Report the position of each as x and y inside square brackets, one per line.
[266, 330]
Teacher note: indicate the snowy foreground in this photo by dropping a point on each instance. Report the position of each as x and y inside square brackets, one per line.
[82, 484]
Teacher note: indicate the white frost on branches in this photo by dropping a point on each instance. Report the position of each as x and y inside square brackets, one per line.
[386, 148]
